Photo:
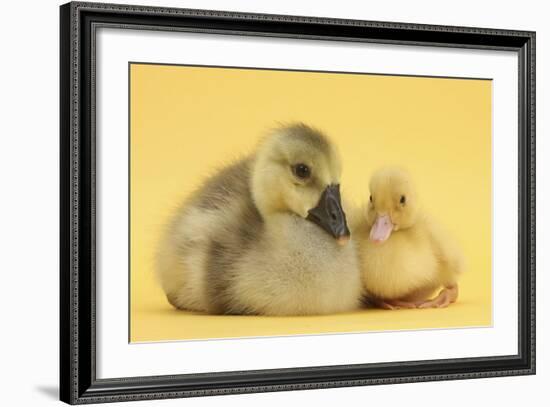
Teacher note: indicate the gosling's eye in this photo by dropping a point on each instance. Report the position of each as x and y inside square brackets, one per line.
[403, 200]
[302, 171]
[370, 198]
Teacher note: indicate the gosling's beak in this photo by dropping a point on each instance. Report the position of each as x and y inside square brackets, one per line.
[329, 215]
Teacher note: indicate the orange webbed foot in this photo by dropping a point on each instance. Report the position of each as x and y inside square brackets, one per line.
[445, 298]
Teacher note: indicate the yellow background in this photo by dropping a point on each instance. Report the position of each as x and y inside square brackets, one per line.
[188, 121]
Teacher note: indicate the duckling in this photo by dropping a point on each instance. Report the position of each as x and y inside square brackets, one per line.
[266, 235]
[405, 255]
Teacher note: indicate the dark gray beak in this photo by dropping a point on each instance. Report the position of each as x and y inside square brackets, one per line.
[329, 215]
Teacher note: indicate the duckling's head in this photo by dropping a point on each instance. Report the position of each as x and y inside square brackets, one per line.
[297, 170]
[392, 204]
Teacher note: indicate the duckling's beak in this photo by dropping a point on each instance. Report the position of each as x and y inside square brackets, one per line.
[329, 215]
[382, 228]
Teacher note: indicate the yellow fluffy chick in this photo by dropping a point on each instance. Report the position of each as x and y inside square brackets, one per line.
[266, 235]
[405, 255]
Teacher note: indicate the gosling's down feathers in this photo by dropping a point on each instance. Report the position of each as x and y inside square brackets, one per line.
[405, 255]
[249, 242]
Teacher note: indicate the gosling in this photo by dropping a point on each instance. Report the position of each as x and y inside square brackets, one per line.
[266, 235]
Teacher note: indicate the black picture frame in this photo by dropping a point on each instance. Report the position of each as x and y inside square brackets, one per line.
[78, 382]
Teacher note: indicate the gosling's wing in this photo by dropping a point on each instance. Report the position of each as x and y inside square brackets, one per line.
[220, 190]
[205, 236]
[235, 225]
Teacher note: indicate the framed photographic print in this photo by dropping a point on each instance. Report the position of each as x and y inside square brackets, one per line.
[255, 203]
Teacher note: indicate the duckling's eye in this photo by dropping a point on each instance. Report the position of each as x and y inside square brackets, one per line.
[403, 200]
[370, 198]
[302, 171]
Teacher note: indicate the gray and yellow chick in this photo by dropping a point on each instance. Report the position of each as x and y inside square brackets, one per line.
[266, 235]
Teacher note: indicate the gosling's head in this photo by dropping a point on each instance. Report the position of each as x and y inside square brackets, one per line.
[392, 204]
[297, 170]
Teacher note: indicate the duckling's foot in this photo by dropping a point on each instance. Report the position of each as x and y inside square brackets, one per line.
[403, 304]
[445, 298]
[392, 304]
[386, 305]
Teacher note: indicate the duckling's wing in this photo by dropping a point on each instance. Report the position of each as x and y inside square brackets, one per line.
[447, 250]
